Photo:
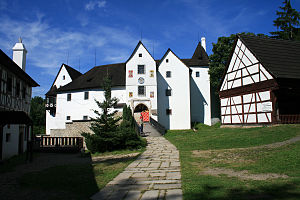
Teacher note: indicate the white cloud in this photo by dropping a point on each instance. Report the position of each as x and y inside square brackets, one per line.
[91, 5]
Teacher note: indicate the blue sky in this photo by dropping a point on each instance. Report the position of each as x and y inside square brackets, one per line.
[52, 30]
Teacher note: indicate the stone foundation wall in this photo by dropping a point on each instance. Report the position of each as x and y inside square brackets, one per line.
[73, 129]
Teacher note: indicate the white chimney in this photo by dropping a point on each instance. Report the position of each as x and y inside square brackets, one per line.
[19, 54]
[203, 43]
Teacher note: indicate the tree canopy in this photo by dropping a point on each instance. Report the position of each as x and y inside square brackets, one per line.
[37, 111]
[287, 22]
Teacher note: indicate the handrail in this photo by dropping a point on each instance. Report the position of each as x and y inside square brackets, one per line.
[160, 128]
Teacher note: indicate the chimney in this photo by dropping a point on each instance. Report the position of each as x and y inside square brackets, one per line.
[203, 43]
[19, 54]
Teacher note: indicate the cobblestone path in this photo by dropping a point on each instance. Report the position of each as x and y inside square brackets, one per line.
[154, 175]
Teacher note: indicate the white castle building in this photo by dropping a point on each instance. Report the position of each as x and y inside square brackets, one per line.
[175, 91]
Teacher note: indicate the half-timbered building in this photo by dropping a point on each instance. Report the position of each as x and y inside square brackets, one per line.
[261, 83]
[15, 97]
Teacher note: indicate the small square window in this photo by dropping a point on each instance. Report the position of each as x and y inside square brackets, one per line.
[69, 97]
[167, 60]
[64, 77]
[141, 69]
[168, 74]
[86, 95]
[168, 92]
[197, 74]
[168, 111]
[141, 90]
[68, 117]
[85, 117]
[8, 137]
[140, 55]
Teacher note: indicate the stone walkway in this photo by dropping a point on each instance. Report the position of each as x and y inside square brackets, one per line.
[154, 175]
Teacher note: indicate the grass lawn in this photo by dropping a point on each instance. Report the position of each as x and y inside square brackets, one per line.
[215, 167]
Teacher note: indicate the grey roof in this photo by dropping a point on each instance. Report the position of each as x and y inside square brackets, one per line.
[280, 57]
[13, 67]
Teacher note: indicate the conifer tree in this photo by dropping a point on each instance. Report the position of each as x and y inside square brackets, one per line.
[287, 22]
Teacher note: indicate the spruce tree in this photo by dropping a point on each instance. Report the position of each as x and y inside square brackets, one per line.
[106, 121]
[287, 23]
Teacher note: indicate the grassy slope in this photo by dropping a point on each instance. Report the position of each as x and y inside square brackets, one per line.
[283, 160]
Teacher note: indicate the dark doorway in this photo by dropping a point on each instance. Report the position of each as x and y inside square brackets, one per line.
[140, 108]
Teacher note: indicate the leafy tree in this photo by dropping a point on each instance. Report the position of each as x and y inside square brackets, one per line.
[38, 115]
[287, 21]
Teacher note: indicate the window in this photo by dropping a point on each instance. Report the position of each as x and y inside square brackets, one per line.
[140, 55]
[7, 138]
[24, 92]
[168, 74]
[69, 97]
[141, 69]
[18, 89]
[197, 74]
[167, 60]
[86, 95]
[68, 117]
[85, 117]
[168, 111]
[9, 85]
[64, 77]
[141, 90]
[168, 92]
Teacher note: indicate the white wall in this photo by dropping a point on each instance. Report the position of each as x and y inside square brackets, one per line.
[59, 81]
[78, 106]
[179, 101]
[200, 96]
[150, 82]
[11, 148]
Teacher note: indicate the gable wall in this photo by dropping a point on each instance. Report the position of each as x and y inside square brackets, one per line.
[150, 80]
[179, 101]
[60, 81]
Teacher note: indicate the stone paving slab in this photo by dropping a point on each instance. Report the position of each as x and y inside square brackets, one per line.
[154, 175]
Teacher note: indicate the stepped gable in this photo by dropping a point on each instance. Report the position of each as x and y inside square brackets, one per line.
[280, 57]
[94, 78]
[12, 66]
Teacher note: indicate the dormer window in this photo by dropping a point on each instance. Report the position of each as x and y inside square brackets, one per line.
[64, 77]
[140, 55]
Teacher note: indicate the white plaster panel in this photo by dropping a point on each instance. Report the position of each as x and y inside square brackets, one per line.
[267, 74]
[253, 69]
[237, 63]
[262, 77]
[239, 43]
[237, 99]
[250, 56]
[223, 109]
[263, 96]
[231, 63]
[230, 83]
[261, 117]
[246, 61]
[247, 80]
[224, 102]
[233, 110]
[239, 108]
[227, 119]
[247, 98]
[236, 119]
[237, 83]
[255, 77]
[240, 54]
[231, 75]
[251, 118]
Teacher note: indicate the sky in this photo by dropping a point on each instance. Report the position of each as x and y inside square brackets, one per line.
[82, 33]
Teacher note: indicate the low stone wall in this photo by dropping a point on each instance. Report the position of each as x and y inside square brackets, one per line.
[73, 129]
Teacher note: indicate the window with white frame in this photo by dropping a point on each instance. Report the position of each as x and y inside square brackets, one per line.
[141, 90]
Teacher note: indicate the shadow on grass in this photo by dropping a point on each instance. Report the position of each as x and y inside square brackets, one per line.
[276, 191]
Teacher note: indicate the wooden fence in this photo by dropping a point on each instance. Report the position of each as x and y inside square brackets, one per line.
[58, 144]
[289, 119]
